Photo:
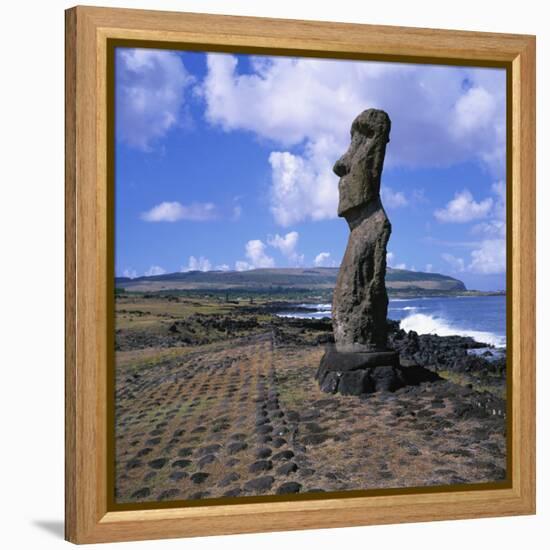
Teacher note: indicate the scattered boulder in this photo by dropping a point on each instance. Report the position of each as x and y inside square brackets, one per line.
[289, 487]
[183, 463]
[199, 477]
[236, 447]
[260, 466]
[158, 463]
[142, 493]
[260, 484]
[287, 468]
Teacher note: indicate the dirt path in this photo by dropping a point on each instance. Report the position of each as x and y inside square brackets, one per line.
[247, 418]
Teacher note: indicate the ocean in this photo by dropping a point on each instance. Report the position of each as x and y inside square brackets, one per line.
[481, 317]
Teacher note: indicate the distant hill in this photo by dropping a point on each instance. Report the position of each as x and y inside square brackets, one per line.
[291, 278]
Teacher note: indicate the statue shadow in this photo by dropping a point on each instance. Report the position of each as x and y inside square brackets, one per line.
[414, 375]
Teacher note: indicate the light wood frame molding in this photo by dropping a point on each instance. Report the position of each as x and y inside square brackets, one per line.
[89, 270]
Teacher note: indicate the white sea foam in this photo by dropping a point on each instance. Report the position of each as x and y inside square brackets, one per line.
[304, 315]
[406, 308]
[316, 311]
[317, 307]
[428, 324]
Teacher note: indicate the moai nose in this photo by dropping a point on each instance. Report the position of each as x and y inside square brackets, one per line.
[340, 167]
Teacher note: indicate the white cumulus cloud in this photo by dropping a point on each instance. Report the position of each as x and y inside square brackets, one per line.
[393, 199]
[130, 273]
[241, 265]
[323, 260]
[489, 258]
[197, 264]
[305, 108]
[149, 94]
[256, 254]
[463, 208]
[155, 270]
[303, 186]
[488, 255]
[390, 261]
[175, 211]
[287, 246]
[456, 263]
[473, 110]
[490, 228]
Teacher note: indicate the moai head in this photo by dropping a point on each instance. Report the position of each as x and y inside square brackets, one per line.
[360, 168]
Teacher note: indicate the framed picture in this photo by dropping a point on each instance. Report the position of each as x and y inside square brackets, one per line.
[300, 274]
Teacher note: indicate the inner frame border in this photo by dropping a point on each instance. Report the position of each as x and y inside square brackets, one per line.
[111, 45]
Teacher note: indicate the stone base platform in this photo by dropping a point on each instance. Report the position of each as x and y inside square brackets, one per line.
[358, 373]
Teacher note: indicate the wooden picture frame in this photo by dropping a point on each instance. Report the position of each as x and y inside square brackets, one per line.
[90, 33]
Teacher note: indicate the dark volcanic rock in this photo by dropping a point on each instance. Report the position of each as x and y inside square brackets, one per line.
[199, 477]
[186, 451]
[261, 466]
[169, 494]
[283, 455]
[178, 476]
[260, 484]
[329, 383]
[447, 353]
[278, 442]
[183, 463]
[228, 479]
[287, 468]
[355, 383]
[144, 452]
[158, 463]
[315, 439]
[133, 464]
[263, 452]
[205, 460]
[209, 449]
[345, 373]
[288, 488]
[236, 447]
[141, 493]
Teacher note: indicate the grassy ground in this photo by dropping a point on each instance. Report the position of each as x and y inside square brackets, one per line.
[226, 404]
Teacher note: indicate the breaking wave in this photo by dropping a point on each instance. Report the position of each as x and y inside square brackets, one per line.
[428, 324]
[316, 307]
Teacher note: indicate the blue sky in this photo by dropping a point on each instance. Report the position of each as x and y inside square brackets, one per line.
[225, 162]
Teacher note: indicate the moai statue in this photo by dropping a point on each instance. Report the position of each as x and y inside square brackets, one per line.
[360, 300]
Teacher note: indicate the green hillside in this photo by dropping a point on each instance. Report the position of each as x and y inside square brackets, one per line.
[290, 278]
